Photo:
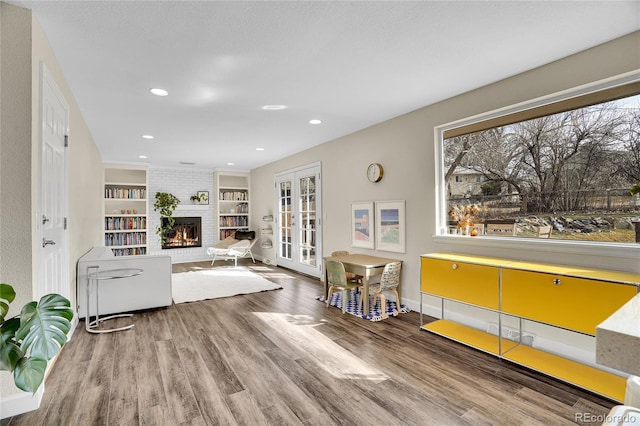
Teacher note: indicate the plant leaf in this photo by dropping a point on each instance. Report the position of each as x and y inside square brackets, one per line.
[4, 309]
[29, 373]
[7, 295]
[10, 353]
[44, 326]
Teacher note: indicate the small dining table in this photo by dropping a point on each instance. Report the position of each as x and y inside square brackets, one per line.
[364, 265]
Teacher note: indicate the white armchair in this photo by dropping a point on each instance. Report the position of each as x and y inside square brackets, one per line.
[231, 248]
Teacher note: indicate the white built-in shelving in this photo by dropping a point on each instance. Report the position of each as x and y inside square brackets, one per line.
[232, 203]
[125, 208]
[266, 232]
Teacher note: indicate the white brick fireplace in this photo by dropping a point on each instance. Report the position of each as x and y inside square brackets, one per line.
[183, 183]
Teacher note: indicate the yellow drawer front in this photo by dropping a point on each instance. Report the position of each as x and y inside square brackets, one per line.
[574, 303]
[464, 282]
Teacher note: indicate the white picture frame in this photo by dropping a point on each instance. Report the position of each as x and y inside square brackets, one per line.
[362, 225]
[390, 226]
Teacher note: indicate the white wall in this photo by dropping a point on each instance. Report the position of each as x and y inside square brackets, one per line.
[15, 162]
[23, 46]
[405, 147]
[183, 183]
[15, 159]
[84, 162]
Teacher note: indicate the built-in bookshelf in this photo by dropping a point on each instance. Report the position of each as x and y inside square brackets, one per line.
[125, 202]
[266, 239]
[267, 232]
[232, 203]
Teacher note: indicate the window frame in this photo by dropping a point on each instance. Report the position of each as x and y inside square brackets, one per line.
[620, 250]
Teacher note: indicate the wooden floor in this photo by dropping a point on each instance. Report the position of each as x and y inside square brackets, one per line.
[282, 358]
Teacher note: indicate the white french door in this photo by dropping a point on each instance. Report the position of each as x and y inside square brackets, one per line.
[298, 220]
[52, 242]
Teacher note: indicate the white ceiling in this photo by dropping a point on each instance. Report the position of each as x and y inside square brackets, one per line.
[349, 64]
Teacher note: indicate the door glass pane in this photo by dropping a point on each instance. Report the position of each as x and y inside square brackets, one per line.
[284, 222]
[307, 220]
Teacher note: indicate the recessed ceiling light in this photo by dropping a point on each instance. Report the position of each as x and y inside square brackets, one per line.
[274, 107]
[187, 163]
[147, 137]
[159, 92]
[142, 156]
[259, 149]
[230, 164]
[315, 121]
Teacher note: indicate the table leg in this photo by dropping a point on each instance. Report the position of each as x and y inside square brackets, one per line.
[326, 288]
[365, 293]
[87, 319]
[97, 322]
[91, 326]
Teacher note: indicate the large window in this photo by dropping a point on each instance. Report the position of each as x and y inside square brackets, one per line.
[561, 170]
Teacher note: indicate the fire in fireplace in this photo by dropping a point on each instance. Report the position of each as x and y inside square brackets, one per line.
[184, 233]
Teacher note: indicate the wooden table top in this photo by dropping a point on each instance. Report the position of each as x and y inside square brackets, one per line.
[363, 260]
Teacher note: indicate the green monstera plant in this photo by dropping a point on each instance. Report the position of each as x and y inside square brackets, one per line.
[29, 340]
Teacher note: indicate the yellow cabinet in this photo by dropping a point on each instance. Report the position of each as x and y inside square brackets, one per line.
[456, 279]
[573, 303]
[573, 298]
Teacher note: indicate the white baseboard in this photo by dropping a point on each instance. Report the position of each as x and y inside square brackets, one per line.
[265, 260]
[20, 403]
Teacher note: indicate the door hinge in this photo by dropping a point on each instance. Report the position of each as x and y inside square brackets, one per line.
[66, 141]
[65, 223]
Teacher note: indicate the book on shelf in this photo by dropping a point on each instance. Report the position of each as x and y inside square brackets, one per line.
[114, 223]
[234, 195]
[125, 193]
[234, 221]
[130, 251]
[125, 239]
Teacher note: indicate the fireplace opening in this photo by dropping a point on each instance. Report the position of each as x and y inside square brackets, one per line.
[184, 233]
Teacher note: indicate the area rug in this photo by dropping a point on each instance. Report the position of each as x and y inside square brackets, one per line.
[375, 311]
[218, 282]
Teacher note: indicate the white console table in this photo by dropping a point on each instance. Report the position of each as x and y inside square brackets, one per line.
[145, 291]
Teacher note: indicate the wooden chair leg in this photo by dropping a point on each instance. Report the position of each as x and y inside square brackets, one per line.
[383, 305]
[395, 293]
[372, 302]
[361, 302]
[329, 293]
[345, 299]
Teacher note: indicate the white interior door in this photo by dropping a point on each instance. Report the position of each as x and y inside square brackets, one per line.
[53, 244]
[298, 221]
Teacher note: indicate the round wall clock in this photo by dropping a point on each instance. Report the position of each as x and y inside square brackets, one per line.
[374, 172]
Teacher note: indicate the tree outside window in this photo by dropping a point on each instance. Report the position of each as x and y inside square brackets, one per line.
[571, 170]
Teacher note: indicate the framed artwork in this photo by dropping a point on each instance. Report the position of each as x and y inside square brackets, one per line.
[390, 226]
[203, 196]
[362, 229]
